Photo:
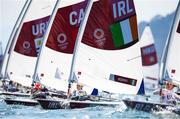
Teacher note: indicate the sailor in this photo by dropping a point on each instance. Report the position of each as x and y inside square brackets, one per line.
[4, 85]
[79, 90]
[35, 87]
[12, 87]
[36, 91]
[168, 95]
[79, 93]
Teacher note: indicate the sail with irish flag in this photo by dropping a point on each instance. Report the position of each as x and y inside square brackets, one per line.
[105, 57]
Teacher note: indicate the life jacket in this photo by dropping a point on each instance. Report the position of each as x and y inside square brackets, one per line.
[168, 96]
[79, 93]
[37, 86]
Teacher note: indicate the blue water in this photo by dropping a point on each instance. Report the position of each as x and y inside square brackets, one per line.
[24, 112]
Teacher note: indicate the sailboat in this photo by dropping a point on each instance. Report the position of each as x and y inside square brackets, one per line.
[105, 53]
[25, 50]
[8, 48]
[27, 43]
[6, 53]
[169, 67]
[56, 54]
[149, 60]
[54, 63]
[107, 46]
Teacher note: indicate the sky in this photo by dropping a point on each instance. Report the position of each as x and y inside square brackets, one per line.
[145, 9]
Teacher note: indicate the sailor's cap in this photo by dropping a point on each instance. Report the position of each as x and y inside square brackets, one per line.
[80, 84]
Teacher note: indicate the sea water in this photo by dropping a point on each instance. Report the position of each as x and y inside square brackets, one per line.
[119, 112]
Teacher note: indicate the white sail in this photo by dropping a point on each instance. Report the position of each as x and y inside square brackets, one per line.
[54, 62]
[106, 57]
[149, 59]
[8, 46]
[28, 40]
[171, 56]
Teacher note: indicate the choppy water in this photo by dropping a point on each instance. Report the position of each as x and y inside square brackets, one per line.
[24, 112]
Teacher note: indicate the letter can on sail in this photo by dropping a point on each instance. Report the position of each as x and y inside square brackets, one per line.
[56, 56]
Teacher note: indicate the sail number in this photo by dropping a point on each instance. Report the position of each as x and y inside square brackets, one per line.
[144, 107]
[53, 105]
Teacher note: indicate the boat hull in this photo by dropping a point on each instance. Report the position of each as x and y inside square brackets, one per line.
[21, 102]
[50, 104]
[15, 94]
[176, 111]
[84, 104]
[145, 105]
[62, 104]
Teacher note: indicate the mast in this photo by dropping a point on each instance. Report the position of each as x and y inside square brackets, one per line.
[11, 40]
[78, 40]
[45, 37]
[163, 63]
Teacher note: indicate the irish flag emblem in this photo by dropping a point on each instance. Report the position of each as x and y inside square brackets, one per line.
[124, 32]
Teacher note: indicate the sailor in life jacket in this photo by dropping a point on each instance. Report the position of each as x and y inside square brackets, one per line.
[167, 95]
[79, 91]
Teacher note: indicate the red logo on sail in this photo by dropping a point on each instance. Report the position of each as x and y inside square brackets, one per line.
[111, 25]
[65, 27]
[31, 37]
[149, 56]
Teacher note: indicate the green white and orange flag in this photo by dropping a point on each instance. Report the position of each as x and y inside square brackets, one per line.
[112, 25]
[124, 32]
